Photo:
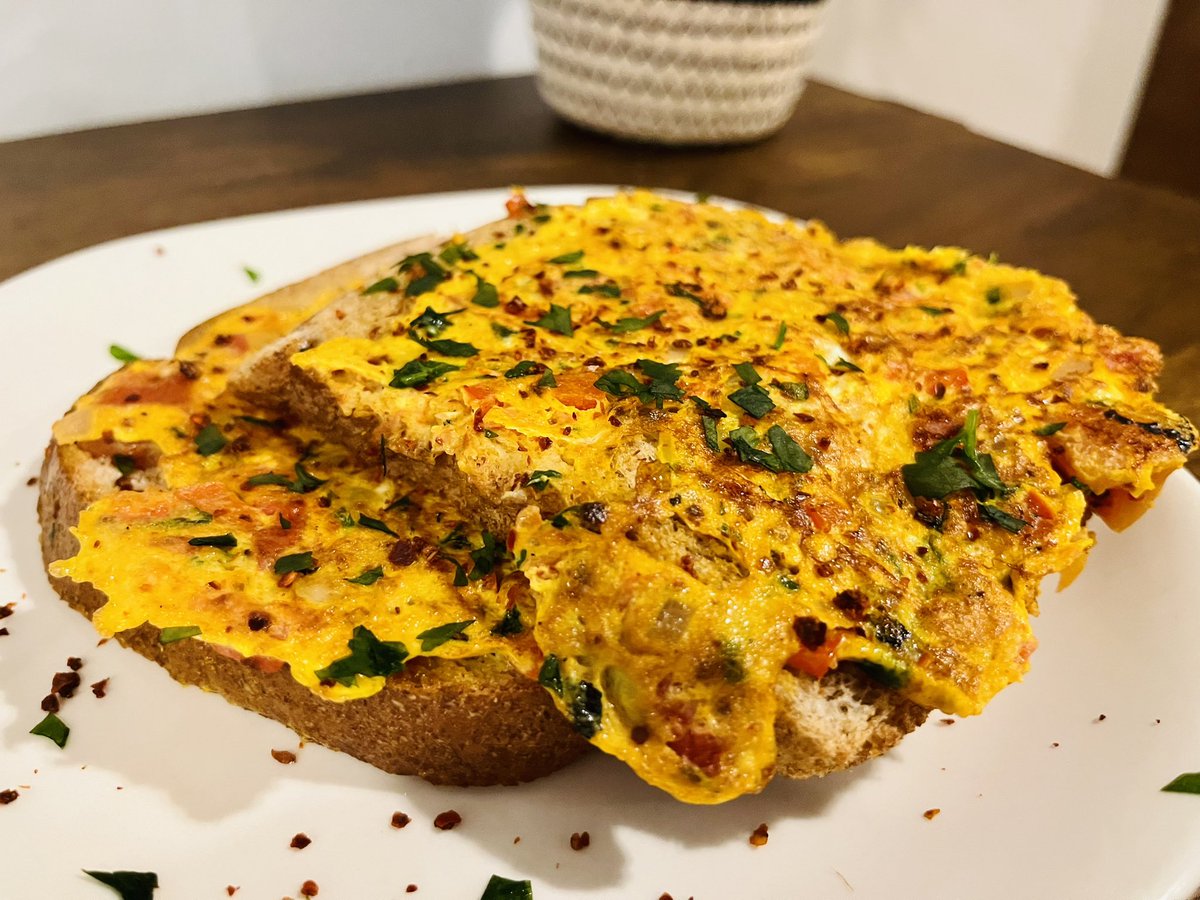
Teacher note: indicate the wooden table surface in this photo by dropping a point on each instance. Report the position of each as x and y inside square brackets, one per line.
[1131, 252]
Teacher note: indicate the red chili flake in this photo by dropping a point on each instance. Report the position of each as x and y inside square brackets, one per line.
[283, 757]
[231, 890]
[447, 820]
[3, 632]
[6, 610]
[758, 837]
[7, 797]
[399, 820]
[309, 889]
[665, 896]
[50, 704]
[31, 482]
[411, 889]
[580, 840]
[74, 663]
[64, 684]
[1101, 717]
[1055, 744]
[300, 841]
[931, 814]
[100, 688]
[257, 621]
[947, 721]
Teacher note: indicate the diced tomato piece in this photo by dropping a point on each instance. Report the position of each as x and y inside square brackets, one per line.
[577, 389]
[700, 749]
[818, 661]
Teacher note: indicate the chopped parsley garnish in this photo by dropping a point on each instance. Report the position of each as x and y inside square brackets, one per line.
[581, 273]
[209, 440]
[997, 516]
[456, 539]
[344, 517]
[934, 310]
[837, 319]
[432, 274]
[252, 274]
[557, 319]
[485, 294]
[488, 557]
[274, 424]
[430, 324]
[539, 480]
[709, 415]
[752, 397]
[126, 465]
[747, 373]
[793, 390]
[284, 522]
[954, 465]
[389, 285]
[845, 365]
[369, 656]
[445, 346]
[302, 563]
[913, 404]
[501, 888]
[130, 885]
[457, 252]
[566, 259]
[501, 331]
[960, 267]
[120, 354]
[367, 578]
[305, 481]
[419, 372]
[432, 638]
[629, 323]
[375, 525]
[550, 675]
[1052, 428]
[547, 381]
[177, 633]
[660, 387]
[788, 456]
[215, 540]
[1187, 783]
[511, 623]
[591, 516]
[52, 727]
[780, 336]
[587, 706]
[525, 367]
[604, 290]
[789, 583]
[993, 295]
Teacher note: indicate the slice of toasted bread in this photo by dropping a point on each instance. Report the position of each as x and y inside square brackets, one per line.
[473, 721]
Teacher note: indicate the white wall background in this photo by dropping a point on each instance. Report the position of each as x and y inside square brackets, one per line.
[1060, 77]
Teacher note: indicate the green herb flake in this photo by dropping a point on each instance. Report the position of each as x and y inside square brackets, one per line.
[587, 708]
[430, 324]
[284, 522]
[446, 347]
[432, 638]
[454, 253]
[375, 524]
[419, 372]
[747, 373]
[129, 885]
[369, 657]
[997, 516]
[709, 416]
[500, 331]
[126, 465]
[431, 274]
[780, 336]
[567, 259]
[914, 405]
[383, 285]
[845, 365]
[793, 390]
[177, 633]
[252, 274]
[993, 295]
[305, 482]
[367, 578]
[511, 624]
[1052, 428]
[525, 368]
[547, 380]
[604, 290]
[550, 675]
[209, 440]
[788, 583]
[954, 465]
[628, 324]
[838, 320]
[485, 294]
[659, 388]
[557, 319]
[215, 540]
[500, 888]
[54, 728]
[274, 424]
[540, 480]
[790, 454]
[302, 563]
[120, 354]
[678, 290]
[1187, 783]
[934, 310]
[960, 267]
[581, 273]
[488, 557]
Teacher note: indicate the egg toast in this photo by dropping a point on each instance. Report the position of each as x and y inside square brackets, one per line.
[739, 461]
[248, 556]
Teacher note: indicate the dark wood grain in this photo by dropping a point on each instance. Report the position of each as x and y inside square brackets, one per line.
[1132, 252]
[1163, 142]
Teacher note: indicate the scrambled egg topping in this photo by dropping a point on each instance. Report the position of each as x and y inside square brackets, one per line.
[745, 452]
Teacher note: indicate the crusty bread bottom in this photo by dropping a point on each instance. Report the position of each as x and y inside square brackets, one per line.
[472, 722]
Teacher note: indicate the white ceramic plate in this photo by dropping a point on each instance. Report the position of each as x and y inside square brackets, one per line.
[1037, 797]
